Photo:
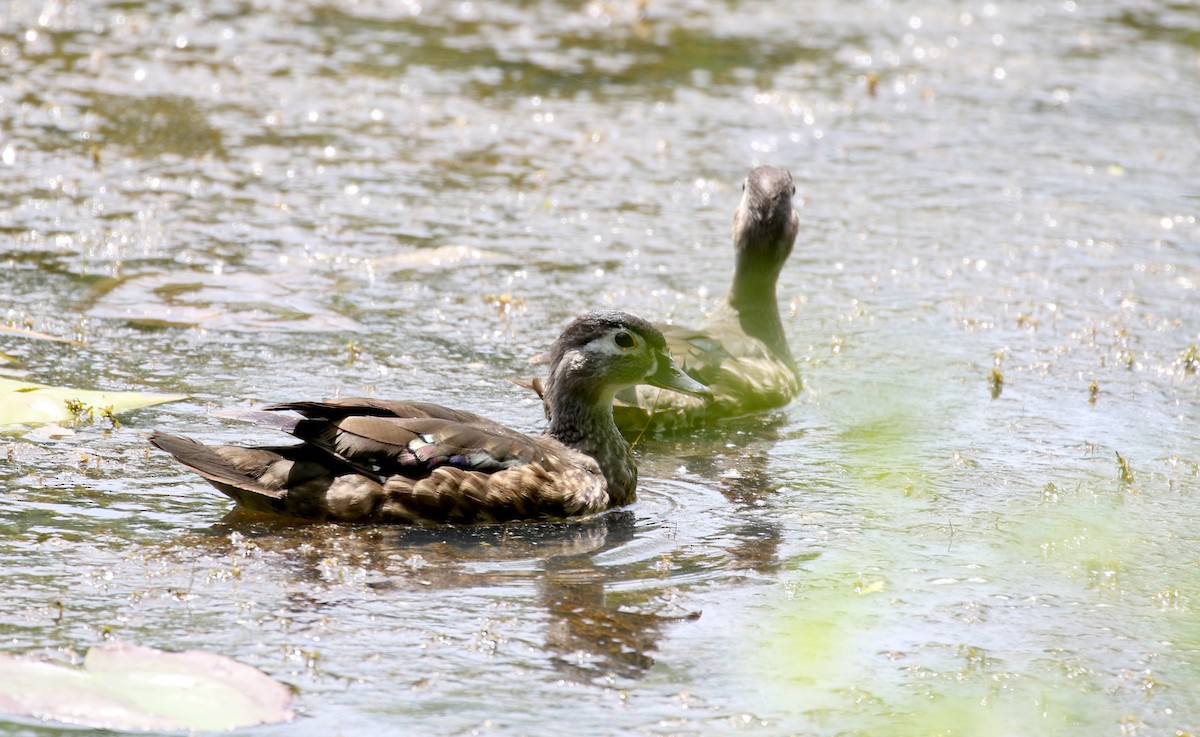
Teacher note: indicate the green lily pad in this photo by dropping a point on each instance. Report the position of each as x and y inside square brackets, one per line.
[23, 402]
[128, 687]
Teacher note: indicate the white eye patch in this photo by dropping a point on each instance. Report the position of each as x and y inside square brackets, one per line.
[607, 344]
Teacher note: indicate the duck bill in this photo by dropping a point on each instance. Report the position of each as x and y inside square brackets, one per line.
[670, 376]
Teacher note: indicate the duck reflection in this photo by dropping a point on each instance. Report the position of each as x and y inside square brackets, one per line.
[736, 455]
[588, 637]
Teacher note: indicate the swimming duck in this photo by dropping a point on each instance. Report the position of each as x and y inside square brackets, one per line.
[371, 460]
[740, 352]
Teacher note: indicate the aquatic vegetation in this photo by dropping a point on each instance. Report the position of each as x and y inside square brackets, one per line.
[996, 381]
[1124, 471]
[126, 687]
[26, 332]
[1189, 359]
[353, 351]
[24, 402]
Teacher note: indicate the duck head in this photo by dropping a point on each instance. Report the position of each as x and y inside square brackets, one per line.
[601, 353]
[765, 225]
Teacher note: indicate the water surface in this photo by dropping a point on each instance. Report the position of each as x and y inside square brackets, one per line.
[261, 201]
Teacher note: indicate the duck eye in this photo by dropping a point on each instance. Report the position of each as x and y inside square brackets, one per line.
[624, 340]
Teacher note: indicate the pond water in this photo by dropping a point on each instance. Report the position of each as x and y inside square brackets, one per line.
[981, 517]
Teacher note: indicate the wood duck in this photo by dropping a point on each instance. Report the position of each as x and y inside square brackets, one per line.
[740, 352]
[371, 460]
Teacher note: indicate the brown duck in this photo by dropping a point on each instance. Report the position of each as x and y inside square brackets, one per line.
[370, 460]
[740, 352]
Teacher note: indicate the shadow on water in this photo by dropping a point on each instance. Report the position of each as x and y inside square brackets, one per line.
[590, 635]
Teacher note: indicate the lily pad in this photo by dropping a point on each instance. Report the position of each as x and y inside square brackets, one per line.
[128, 687]
[23, 402]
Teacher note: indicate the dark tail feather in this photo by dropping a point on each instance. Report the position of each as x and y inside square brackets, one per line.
[218, 471]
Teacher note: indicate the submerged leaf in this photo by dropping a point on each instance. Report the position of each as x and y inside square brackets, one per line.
[128, 687]
[23, 402]
[438, 258]
[34, 335]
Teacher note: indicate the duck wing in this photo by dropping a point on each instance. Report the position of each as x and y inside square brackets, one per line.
[745, 376]
[397, 462]
[333, 409]
[699, 354]
[382, 438]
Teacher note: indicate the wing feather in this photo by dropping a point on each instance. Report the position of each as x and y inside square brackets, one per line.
[744, 375]
[381, 438]
[401, 462]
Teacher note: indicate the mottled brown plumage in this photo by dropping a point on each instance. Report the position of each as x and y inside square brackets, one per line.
[369, 460]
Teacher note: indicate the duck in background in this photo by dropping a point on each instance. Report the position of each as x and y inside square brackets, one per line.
[370, 460]
[740, 352]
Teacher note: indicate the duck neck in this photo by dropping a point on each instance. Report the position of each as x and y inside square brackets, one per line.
[752, 297]
[585, 423]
